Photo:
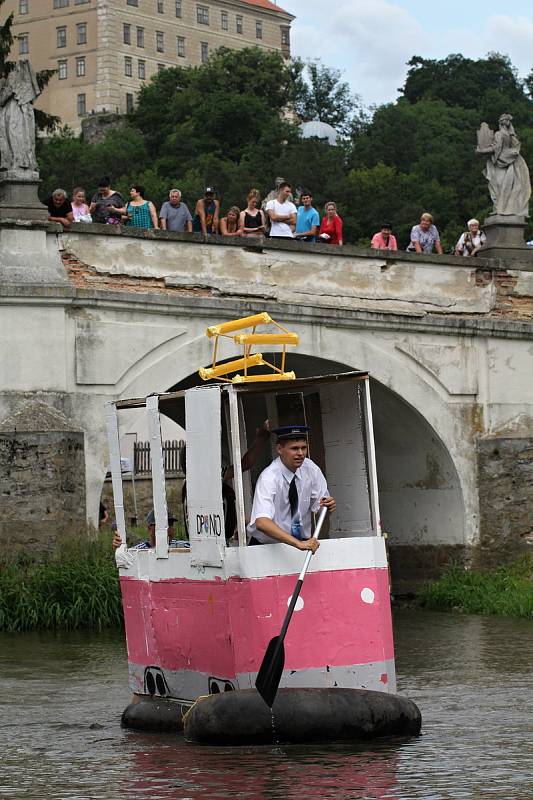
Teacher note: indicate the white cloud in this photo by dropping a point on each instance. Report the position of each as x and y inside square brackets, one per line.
[370, 40]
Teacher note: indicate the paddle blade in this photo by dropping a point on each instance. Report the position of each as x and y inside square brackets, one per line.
[269, 675]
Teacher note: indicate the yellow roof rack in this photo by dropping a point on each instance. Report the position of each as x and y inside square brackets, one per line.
[229, 330]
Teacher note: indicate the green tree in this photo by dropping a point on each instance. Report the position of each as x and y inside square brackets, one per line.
[320, 93]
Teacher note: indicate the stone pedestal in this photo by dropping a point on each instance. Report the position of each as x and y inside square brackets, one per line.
[505, 238]
[19, 200]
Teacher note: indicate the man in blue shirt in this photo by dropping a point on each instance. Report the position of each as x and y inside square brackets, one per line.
[307, 219]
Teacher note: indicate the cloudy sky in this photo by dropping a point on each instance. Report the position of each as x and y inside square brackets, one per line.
[371, 40]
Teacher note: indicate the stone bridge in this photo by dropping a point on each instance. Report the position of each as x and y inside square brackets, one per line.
[98, 313]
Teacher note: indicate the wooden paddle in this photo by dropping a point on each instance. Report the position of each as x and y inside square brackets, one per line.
[271, 669]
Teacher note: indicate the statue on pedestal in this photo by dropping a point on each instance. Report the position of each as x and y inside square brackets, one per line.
[17, 121]
[506, 170]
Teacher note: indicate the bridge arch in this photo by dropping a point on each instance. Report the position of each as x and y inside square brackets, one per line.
[427, 490]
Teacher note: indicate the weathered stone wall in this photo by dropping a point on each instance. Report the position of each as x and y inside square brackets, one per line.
[505, 497]
[143, 493]
[43, 487]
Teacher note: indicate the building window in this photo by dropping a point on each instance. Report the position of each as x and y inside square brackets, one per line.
[141, 69]
[285, 36]
[258, 30]
[128, 68]
[132, 2]
[61, 36]
[80, 67]
[23, 6]
[202, 15]
[160, 41]
[81, 33]
[129, 103]
[62, 71]
[126, 33]
[224, 20]
[180, 42]
[238, 23]
[81, 2]
[60, 3]
[178, 8]
[140, 37]
[204, 51]
[81, 105]
[161, 67]
[160, 6]
[23, 44]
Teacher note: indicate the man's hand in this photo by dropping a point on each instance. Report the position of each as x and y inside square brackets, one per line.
[329, 503]
[308, 544]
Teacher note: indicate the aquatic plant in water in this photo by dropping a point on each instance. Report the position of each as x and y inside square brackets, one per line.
[76, 586]
[507, 591]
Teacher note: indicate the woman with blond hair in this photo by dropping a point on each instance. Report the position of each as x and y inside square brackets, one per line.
[230, 224]
[425, 236]
[331, 225]
[252, 219]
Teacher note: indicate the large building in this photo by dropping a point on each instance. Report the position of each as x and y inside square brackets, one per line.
[104, 50]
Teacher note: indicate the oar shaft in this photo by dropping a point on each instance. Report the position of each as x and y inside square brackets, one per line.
[301, 576]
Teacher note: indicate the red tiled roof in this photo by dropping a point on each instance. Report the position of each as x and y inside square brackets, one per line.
[266, 4]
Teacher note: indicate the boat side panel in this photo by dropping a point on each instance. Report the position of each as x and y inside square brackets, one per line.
[342, 618]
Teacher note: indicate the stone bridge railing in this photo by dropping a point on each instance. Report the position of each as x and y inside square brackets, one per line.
[264, 270]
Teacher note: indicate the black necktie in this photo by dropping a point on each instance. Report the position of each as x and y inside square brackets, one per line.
[295, 514]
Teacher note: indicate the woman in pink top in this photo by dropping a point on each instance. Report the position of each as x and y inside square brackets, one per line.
[331, 226]
[80, 209]
[384, 240]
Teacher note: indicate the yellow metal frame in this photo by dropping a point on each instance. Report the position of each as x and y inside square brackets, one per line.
[247, 340]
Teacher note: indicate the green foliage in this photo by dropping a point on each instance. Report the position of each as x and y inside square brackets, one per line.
[74, 587]
[226, 124]
[319, 93]
[507, 591]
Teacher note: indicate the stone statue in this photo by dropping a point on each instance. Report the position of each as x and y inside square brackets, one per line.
[17, 121]
[506, 170]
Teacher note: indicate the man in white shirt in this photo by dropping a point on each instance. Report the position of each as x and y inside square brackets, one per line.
[287, 492]
[282, 214]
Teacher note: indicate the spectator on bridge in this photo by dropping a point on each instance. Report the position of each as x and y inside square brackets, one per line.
[230, 225]
[307, 219]
[425, 236]
[282, 214]
[106, 203]
[384, 240]
[206, 212]
[471, 240]
[59, 208]
[80, 209]
[175, 215]
[140, 213]
[331, 225]
[252, 219]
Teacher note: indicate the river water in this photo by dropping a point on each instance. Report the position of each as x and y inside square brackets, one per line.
[62, 696]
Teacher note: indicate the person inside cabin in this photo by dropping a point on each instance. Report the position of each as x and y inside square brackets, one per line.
[287, 492]
[147, 544]
[262, 436]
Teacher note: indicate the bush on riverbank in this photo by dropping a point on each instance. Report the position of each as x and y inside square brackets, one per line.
[507, 591]
[76, 586]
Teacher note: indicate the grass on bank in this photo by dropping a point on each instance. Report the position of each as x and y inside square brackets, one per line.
[507, 591]
[75, 586]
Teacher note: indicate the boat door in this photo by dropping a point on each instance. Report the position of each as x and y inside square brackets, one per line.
[204, 476]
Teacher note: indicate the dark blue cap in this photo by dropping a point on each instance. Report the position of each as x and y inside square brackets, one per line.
[291, 432]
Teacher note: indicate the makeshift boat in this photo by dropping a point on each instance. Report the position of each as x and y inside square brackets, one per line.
[199, 617]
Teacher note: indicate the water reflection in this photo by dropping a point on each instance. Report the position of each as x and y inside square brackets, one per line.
[62, 697]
